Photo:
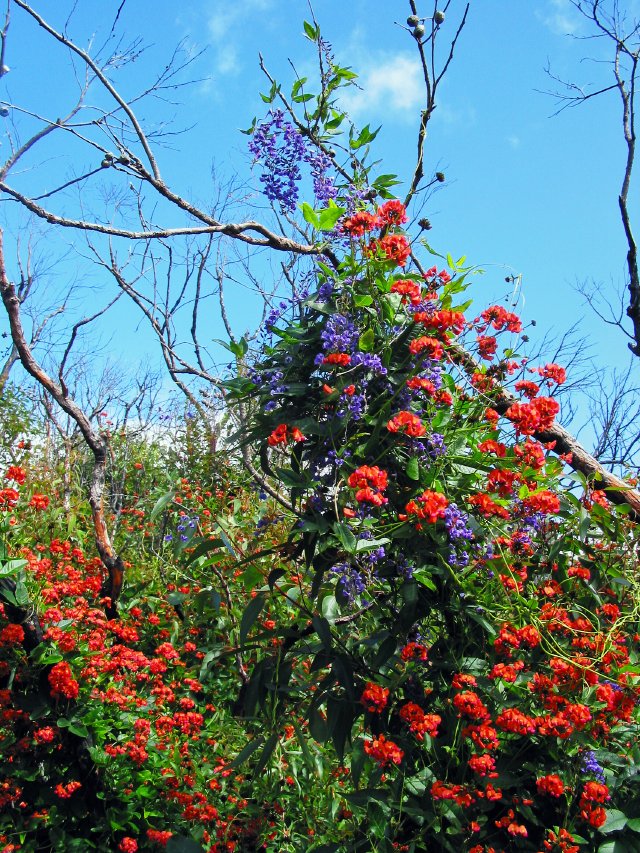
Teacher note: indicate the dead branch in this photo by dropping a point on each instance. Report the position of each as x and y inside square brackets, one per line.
[94, 440]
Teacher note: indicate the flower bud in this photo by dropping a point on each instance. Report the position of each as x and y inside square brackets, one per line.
[413, 21]
[438, 17]
[418, 31]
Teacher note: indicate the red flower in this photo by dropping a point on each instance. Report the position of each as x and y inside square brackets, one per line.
[529, 389]
[342, 359]
[367, 475]
[408, 423]
[128, 845]
[16, 473]
[430, 506]
[282, 433]
[544, 501]
[499, 318]
[483, 765]
[65, 791]
[39, 502]
[553, 373]
[419, 722]
[495, 447]
[536, 416]
[360, 222]
[429, 346]
[514, 721]
[487, 347]
[594, 792]
[374, 698]
[9, 497]
[392, 213]
[414, 651]
[62, 682]
[11, 635]
[443, 320]
[469, 704]
[393, 247]
[383, 751]
[483, 736]
[551, 785]
[486, 507]
[408, 288]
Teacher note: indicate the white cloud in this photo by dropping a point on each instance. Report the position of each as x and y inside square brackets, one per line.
[394, 84]
[560, 17]
[224, 31]
[513, 140]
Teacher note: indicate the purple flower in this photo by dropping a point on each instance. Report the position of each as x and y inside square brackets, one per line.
[455, 520]
[590, 765]
[339, 334]
[351, 582]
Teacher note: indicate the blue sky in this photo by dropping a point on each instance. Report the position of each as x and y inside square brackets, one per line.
[526, 193]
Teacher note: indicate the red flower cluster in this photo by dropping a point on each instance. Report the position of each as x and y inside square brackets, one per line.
[283, 433]
[552, 373]
[8, 498]
[389, 214]
[392, 247]
[383, 751]
[487, 507]
[342, 359]
[551, 785]
[11, 635]
[536, 416]
[408, 288]
[443, 321]
[62, 682]
[16, 473]
[374, 698]
[39, 502]
[431, 347]
[408, 423]
[499, 318]
[370, 481]
[430, 506]
[419, 723]
[487, 347]
[414, 651]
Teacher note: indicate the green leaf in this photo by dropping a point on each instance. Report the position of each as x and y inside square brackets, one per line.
[328, 217]
[345, 537]
[79, 729]
[247, 752]
[251, 613]
[616, 820]
[162, 503]
[362, 797]
[310, 215]
[239, 348]
[11, 567]
[310, 31]
[323, 630]
[269, 746]
[367, 341]
[19, 596]
[412, 468]
[330, 609]
[203, 548]
[362, 300]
